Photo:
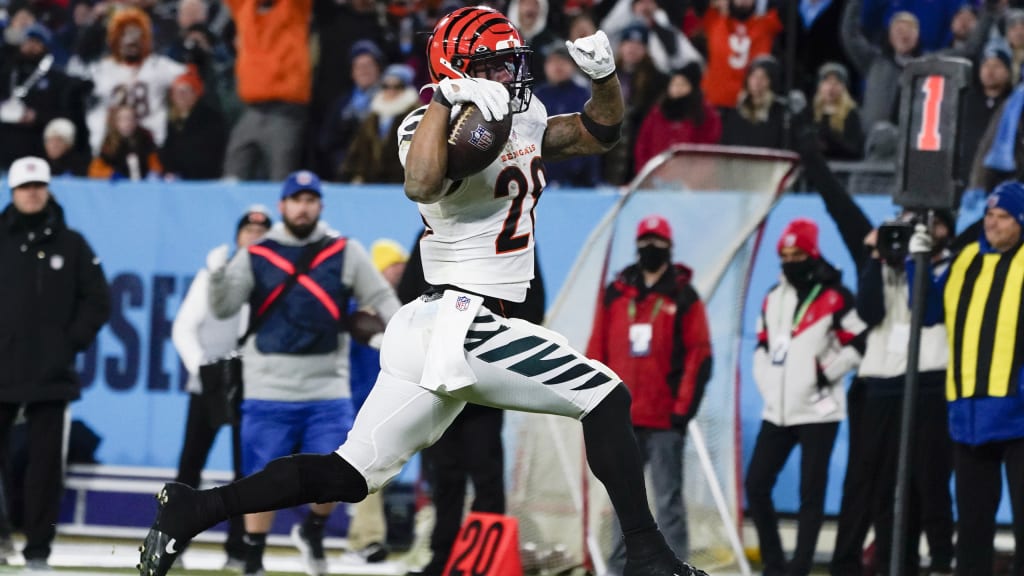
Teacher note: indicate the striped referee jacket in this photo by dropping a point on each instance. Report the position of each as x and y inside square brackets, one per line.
[982, 301]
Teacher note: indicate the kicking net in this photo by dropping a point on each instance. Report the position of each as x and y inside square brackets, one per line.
[716, 199]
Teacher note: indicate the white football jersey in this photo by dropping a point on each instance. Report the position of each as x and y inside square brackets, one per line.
[143, 87]
[479, 236]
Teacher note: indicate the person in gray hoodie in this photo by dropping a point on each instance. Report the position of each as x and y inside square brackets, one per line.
[298, 281]
[882, 66]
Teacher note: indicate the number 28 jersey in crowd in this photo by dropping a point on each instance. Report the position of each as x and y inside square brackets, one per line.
[479, 236]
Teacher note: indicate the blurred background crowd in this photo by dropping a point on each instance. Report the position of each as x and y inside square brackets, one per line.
[254, 89]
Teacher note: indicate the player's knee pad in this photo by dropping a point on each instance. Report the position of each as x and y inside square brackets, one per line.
[321, 477]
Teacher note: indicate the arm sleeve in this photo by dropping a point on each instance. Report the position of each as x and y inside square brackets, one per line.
[870, 295]
[692, 353]
[185, 330]
[92, 309]
[370, 289]
[858, 48]
[853, 224]
[230, 286]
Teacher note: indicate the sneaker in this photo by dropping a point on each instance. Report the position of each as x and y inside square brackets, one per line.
[37, 565]
[234, 564]
[372, 553]
[311, 547]
[259, 572]
[160, 550]
[660, 565]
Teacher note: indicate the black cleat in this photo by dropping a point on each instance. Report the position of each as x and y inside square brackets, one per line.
[660, 565]
[160, 549]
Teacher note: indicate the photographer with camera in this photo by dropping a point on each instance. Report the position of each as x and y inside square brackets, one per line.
[980, 299]
[875, 397]
[883, 291]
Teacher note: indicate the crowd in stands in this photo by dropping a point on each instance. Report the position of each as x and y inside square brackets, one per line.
[254, 89]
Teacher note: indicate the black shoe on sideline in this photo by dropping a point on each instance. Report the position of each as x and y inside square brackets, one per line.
[160, 549]
[660, 565]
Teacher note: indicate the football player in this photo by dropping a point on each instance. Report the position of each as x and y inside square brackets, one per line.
[454, 344]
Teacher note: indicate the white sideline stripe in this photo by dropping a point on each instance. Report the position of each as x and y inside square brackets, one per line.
[122, 555]
[165, 474]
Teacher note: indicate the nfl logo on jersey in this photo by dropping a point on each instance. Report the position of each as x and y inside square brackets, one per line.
[481, 137]
[462, 303]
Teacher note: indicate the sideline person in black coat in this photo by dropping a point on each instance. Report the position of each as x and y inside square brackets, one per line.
[53, 300]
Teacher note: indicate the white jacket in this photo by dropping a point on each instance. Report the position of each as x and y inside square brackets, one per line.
[885, 354]
[828, 341]
[198, 335]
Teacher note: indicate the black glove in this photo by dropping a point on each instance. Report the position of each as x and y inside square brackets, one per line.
[679, 422]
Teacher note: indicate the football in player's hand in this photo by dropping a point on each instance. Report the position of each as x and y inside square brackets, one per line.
[363, 325]
[473, 142]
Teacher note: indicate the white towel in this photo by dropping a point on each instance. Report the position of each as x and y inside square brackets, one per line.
[446, 364]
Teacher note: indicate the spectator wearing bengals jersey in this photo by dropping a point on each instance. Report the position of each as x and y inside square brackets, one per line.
[132, 75]
[735, 38]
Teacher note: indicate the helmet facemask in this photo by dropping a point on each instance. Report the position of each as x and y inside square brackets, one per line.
[510, 66]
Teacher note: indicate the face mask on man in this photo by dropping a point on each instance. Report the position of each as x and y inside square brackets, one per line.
[653, 257]
[799, 274]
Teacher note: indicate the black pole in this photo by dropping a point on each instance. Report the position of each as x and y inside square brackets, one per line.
[919, 292]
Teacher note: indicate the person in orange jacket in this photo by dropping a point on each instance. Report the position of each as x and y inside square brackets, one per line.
[274, 75]
[652, 329]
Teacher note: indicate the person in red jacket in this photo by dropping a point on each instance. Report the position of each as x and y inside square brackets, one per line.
[651, 328]
[682, 117]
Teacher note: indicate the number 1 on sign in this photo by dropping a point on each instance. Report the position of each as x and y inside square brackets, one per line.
[928, 138]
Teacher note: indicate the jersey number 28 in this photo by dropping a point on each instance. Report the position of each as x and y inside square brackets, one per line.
[507, 240]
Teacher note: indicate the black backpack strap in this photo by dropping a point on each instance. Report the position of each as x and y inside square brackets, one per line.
[301, 267]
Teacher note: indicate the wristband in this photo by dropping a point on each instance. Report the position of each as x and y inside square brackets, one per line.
[440, 99]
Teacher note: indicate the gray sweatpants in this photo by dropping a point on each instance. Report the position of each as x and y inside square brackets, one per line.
[267, 142]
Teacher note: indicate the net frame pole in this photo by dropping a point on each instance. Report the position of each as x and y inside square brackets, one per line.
[731, 529]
